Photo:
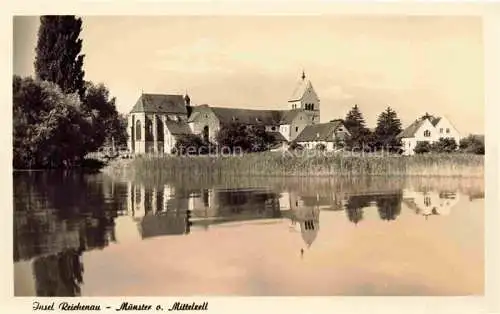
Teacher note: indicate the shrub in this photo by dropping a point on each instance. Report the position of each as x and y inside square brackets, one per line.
[422, 148]
[444, 145]
[472, 144]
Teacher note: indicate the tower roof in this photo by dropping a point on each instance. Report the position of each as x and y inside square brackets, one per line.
[302, 85]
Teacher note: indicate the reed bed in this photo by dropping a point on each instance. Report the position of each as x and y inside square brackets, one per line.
[277, 164]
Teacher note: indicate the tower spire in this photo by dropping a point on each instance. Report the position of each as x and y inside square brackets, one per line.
[303, 75]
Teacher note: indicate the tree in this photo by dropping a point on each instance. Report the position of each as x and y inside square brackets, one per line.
[48, 125]
[355, 207]
[355, 123]
[472, 145]
[243, 138]
[444, 145]
[101, 110]
[190, 144]
[422, 147]
[388, 127]
[58, 53]
[259, 139]
[389, 206]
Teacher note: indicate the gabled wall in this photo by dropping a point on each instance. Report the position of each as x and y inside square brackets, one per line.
[446, 130]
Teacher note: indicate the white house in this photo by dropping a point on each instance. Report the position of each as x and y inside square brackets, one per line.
[326, 134]
[427, 129]
[431, 203]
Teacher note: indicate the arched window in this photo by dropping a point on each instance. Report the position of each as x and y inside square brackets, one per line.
[427, 201]
[138, 130]
[149, 129]
[205, 133]
[427, 133]
[159, 127]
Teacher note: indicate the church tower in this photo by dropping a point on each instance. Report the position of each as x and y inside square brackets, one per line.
[304, 97]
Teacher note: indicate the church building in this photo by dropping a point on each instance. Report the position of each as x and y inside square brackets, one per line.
[157, 120]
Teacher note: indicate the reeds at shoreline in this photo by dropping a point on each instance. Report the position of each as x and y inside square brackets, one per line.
[283, 164]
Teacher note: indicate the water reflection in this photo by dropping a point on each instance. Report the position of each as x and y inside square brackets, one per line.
[60, 216]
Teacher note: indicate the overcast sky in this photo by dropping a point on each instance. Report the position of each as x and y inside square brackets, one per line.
[414, 64]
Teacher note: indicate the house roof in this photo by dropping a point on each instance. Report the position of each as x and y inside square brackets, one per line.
[252, 116]
[247, 116]
[278, 137]
[435, 120]
[177, 127]
[160, 103]
[411, 129]
[289, 115]
[318, 132]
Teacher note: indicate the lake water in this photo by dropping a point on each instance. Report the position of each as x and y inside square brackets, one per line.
[88, 235]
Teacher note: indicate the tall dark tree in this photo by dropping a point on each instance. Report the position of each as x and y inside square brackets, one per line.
[388, 127]
[355, 207]
[389, 206]
[58, 53]
[355, 123]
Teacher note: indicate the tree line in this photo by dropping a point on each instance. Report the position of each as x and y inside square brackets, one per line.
[58, 116]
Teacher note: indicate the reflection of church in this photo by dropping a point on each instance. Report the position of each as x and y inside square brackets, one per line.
[306, 221]
[157, 211]
[430, 203]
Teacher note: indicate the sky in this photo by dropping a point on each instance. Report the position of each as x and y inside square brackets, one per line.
[414, 64]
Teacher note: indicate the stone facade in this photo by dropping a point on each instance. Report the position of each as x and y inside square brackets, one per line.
[156, 121]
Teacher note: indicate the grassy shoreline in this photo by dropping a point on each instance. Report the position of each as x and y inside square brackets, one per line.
[278, 164]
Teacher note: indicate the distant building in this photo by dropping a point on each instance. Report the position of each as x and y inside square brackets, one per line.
[430, 203]
[328, 134]
[427, 129]
[156, 120]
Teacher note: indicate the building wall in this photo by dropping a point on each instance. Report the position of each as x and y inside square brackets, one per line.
[285, 131]
[206, 117]
[420, 136]
[435, 134]
[147, 145]
[298, 124]
[313, 144]
[310, 97]
[137, 146]
[272, 128]
[446, 130]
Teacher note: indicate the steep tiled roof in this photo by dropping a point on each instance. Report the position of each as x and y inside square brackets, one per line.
[278, 137]
[247, 116]
[318, 132]
[160, 103]
[289, 115]
[177, 127]
[253, 116]
[435, 120]
[411, 129]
